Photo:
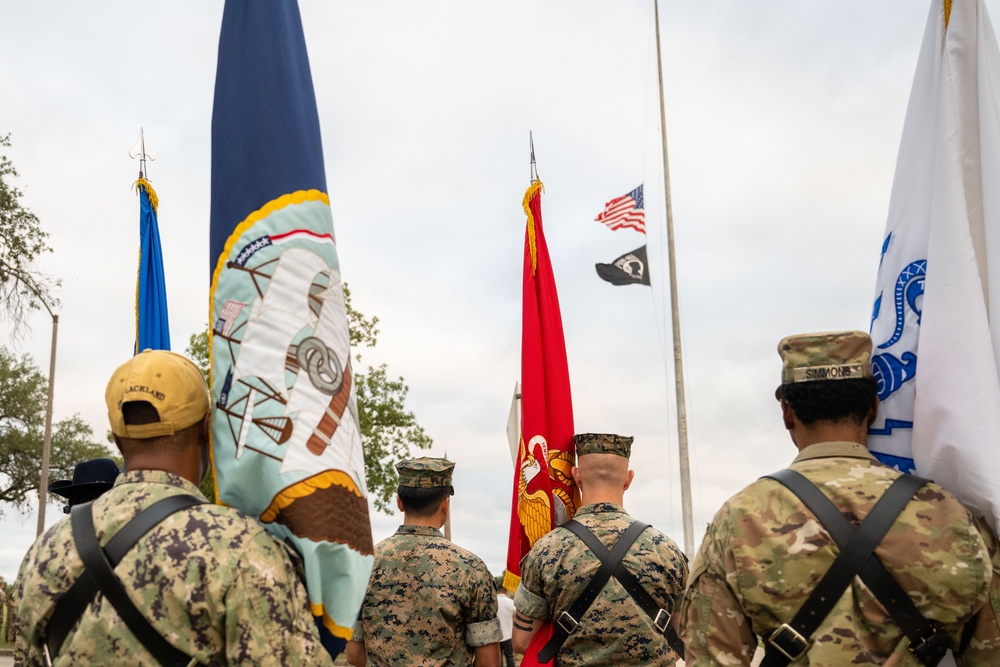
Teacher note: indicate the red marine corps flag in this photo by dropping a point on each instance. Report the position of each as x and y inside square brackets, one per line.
[544, 495]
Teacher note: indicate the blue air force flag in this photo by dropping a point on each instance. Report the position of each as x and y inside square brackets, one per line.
[938, 287]
[286, 442]
[152, 330]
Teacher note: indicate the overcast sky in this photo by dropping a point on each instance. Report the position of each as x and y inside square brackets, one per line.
[783, 122]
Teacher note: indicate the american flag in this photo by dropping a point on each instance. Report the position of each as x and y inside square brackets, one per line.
[230, 311]
[625, 211]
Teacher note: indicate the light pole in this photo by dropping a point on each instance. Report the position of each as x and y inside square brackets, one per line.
[43, 489]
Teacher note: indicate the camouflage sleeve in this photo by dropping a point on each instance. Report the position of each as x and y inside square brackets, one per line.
[713, 625]
[529, 604]
[528, 598]
[358, 632]
[25, 654]
[983, 648]
[483, 626]
[268, 621]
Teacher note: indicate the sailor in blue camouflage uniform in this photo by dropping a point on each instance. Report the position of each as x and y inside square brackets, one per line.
[209, 579]
[429, 602]
[615, 631]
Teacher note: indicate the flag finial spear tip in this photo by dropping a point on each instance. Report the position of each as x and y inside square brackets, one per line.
[142, 151]
[534, 170]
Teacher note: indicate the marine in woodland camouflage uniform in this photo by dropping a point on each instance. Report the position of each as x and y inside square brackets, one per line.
[209, 578]
[615, 631]
[429, 602]
[764, 552]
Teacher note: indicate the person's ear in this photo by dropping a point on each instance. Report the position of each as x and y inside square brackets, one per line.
[787, 414]
[873, 412]
[628, 479]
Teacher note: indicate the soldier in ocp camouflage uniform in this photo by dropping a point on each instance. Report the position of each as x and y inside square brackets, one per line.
[209, 578]
[764, 551]
[615, 631]
[429, 602]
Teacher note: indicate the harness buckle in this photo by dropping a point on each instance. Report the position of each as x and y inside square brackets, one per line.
[789, 642]
[662, 620]
[567, 622]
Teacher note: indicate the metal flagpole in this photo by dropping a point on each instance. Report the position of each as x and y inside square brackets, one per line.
[142, 152]
[682, 443]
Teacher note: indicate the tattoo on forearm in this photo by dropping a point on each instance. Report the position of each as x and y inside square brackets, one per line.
[522, 622]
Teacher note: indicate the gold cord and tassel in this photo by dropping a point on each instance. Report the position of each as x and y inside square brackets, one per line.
[533, 190]
[154, 201]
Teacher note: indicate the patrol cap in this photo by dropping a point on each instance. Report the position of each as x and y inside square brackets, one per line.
[603, 443]
[425, 473]
[839, 355]
[168, 381]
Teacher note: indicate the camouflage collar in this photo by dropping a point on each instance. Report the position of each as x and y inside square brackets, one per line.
[823, 450]
[600, 508]
[418, 530]
[157, 477]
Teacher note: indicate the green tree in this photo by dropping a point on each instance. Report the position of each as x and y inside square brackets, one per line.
[23, 394]
[389, 431]
[22, 242]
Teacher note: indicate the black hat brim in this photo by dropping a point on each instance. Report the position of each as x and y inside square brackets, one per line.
[74, 492]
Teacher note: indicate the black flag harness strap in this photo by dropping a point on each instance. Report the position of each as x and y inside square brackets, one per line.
[99, 576]
[611, 566]
[857, 545]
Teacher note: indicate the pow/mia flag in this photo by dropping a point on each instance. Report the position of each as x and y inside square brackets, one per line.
[629, 269]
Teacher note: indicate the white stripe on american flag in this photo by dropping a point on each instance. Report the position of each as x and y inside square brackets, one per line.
[230, 311]
[622, 212]
[639, 224]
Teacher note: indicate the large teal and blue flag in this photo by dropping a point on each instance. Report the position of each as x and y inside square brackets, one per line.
[152, 330]
[286, 441]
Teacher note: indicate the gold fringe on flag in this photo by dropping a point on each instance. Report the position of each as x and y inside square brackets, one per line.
[947, 12]
[532, 192]
[153, 199]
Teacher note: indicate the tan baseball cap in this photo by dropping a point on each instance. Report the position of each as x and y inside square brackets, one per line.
[425, 473]
[603, 443]
[838, 355]
[170, 382]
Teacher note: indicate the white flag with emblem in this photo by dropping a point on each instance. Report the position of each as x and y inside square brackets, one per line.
[938, 287]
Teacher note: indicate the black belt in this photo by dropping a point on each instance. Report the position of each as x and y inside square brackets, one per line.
[857, 545]
[611, 565]
[100, 577]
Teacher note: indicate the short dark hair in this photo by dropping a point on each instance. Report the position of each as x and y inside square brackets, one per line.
[137, 413]
[423, 502]
[830, 400]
